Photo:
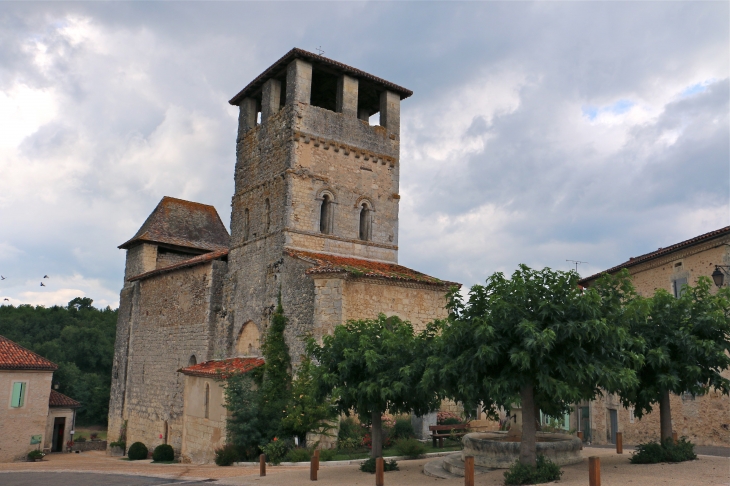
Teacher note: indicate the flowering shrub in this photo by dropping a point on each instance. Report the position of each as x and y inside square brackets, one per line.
[34, 455]
[367, 441]
[448, 418]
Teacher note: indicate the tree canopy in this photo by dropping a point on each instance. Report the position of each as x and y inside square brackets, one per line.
[537, 339]
[685, 341]
[79, 338]
[373, 366]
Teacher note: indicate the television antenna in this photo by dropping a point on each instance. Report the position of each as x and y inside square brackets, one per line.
[319, 50]
[577, 262]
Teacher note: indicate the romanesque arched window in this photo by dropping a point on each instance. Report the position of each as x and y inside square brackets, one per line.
[267, 217]
[245, 224]
[193, 360]
[326, 214]
[366, 221]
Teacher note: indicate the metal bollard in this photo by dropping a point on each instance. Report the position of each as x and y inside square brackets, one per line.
[580, 436]
[262, 465]
[314, 466]
[379, 472]
[469, 471]
[594, 471]
[619, 443]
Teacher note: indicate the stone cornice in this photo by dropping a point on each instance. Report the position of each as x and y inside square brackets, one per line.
[347, 149]
[340, 238]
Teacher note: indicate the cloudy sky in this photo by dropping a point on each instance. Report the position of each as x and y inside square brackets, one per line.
[537, 132]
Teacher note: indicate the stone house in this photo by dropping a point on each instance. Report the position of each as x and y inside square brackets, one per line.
[32, 415]
[314, 219]
[705, 419]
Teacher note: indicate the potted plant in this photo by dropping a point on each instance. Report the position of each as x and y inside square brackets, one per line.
[35, 455]
[117, 448]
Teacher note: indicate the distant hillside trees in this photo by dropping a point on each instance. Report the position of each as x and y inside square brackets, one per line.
[79, 338]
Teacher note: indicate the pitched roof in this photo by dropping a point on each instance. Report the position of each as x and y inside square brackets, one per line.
[183, 223]
[280, 66]
[364, 268]
[222, 367]
[16, 357]
[197, 260]
[60, 400]
[660, 252]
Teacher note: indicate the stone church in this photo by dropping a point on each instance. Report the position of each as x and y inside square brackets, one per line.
[314, 218]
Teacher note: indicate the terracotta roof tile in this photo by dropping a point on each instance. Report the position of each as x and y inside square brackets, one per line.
[197, 260]
[16, 357]
[222, 367]
[660, 252]
[60, 400]
[364, 268]
[183, 223]
[280, 65]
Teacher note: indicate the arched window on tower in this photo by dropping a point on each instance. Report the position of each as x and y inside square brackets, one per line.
[326, 215]
[245, 224]
[267, 218]
[206, 403]
[193, 360]
[366, 222]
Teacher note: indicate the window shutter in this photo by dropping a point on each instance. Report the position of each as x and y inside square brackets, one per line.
[18, 396]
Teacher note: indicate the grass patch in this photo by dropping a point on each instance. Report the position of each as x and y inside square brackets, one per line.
[163, 462]
[86, 432]
[653, 452]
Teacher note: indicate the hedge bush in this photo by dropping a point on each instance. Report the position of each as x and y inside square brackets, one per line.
[409, 447]
[369, 466]
[137, 452]
[403, 429]
[544, 472]
[653, 452]
[163, 453]
[226, 455]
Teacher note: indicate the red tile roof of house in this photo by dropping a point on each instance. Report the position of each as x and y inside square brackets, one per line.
[183, 223]
[364, 268]
[222, 367]
[280, 66]
[16, 357]
[197, 260]
[660, 252]
[60, 400]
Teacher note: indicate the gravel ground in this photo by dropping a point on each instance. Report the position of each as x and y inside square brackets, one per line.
[615, 471]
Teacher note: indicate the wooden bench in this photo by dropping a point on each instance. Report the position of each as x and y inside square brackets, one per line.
[441, 431]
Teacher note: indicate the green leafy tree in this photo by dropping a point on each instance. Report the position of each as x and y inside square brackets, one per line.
[536, 339]
[685, 342]
[245, 429]
[374, 366]
[306, 412]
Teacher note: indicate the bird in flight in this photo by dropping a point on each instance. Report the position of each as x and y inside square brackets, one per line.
[7, 299]
[42, 284]
[2, 278]
[45, 276]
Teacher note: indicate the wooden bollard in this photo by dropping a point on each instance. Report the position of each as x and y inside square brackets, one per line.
[379, 472]
[594, 471]
[262, 465]
[675, 438]
[314, 466]
[580, 436]
[469, 471]
[619, 443]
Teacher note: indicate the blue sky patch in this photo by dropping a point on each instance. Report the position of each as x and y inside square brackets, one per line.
[696, 88]
[618, 108]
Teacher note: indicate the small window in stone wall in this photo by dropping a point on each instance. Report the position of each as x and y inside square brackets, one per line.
[326, 215]
[245, 224]
[193, 360]
[366, 230]
[267, 218]
[206, 403]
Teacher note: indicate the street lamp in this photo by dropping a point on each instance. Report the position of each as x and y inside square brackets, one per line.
[718, 276]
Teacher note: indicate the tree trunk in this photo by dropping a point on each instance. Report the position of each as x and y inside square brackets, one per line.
[665, 416]
[528, 446]
[376, 435]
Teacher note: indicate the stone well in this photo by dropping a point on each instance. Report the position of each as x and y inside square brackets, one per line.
[496, 450]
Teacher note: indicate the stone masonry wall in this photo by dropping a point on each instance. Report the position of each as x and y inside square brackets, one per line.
[19, 424]
[201, 435]
[172, 322]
